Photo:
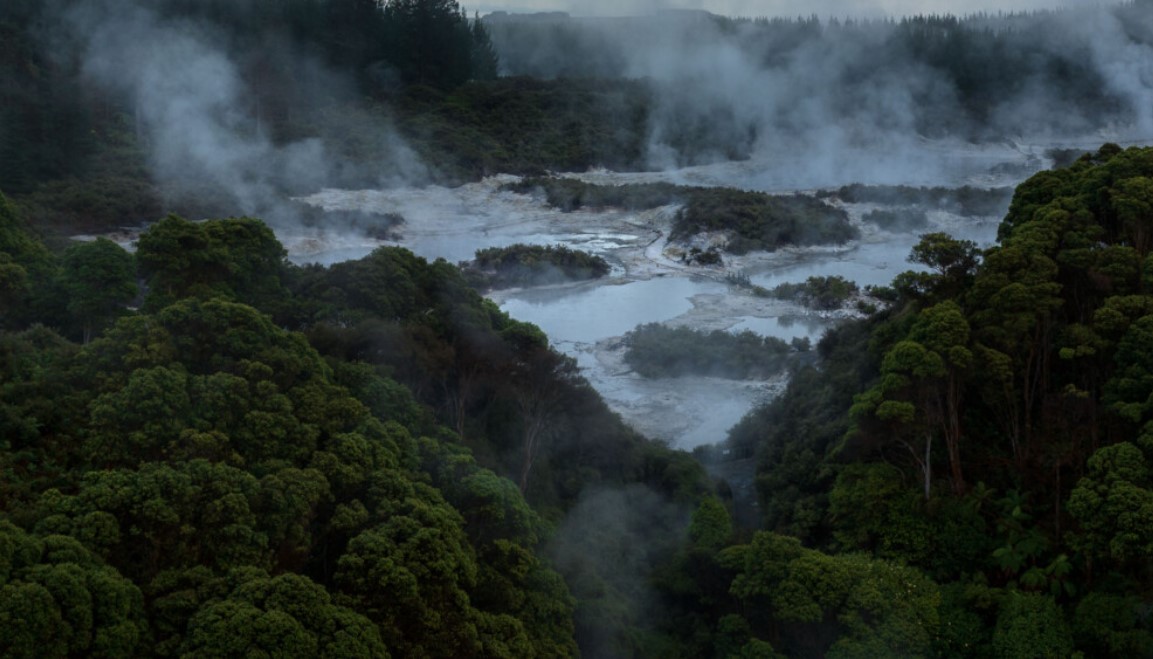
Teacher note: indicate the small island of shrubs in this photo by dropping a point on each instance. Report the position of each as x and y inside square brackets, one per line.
[531, 265]
[820, 293]
[656, 351]
[967, 201]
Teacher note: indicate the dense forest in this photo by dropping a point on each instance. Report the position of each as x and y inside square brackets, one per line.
[208, 450]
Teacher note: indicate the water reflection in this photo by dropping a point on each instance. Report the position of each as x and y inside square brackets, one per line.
[587, 315]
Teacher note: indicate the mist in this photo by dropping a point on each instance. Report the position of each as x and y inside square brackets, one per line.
[868, 100]
[606, 548]
[202, 121]
[772, 8]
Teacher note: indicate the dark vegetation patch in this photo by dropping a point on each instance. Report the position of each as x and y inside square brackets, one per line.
[966, 200]
[657, 351]
[757, 220]
[820, 293]
[760, 221]
[531, 265]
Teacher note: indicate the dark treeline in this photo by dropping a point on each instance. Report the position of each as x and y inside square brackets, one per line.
[378, 92]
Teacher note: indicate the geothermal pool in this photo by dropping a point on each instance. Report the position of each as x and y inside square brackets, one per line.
[587, 320]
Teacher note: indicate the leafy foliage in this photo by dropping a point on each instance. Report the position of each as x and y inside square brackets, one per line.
[57, 599]
[758, 221]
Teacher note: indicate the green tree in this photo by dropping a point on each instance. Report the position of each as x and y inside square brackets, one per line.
[58, 600]
[1130, 390]
[1113, 504]
[14, 287]
[952, 262]
[1015, 298]
[411, 574]
[1106, 625]
[1031, 625]
[840, 606]
[287, 616]
[711, 527]
[429, 42]
[237, 258]
[484, 58]
[100, 278]
[27, 270]
[16, 240]
[921, 390]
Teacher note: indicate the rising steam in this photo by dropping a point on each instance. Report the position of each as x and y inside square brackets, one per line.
[201, 123]
[838, 102]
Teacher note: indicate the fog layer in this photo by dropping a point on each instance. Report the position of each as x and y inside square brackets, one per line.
[859, 94]
[204, 126]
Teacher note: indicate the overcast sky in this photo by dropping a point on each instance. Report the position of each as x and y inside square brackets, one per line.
[822, 8]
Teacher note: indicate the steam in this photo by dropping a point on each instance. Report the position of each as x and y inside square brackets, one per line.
[202, 124]
[607, 549]
[1125, 62]
[755, 8]
[831, 103]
